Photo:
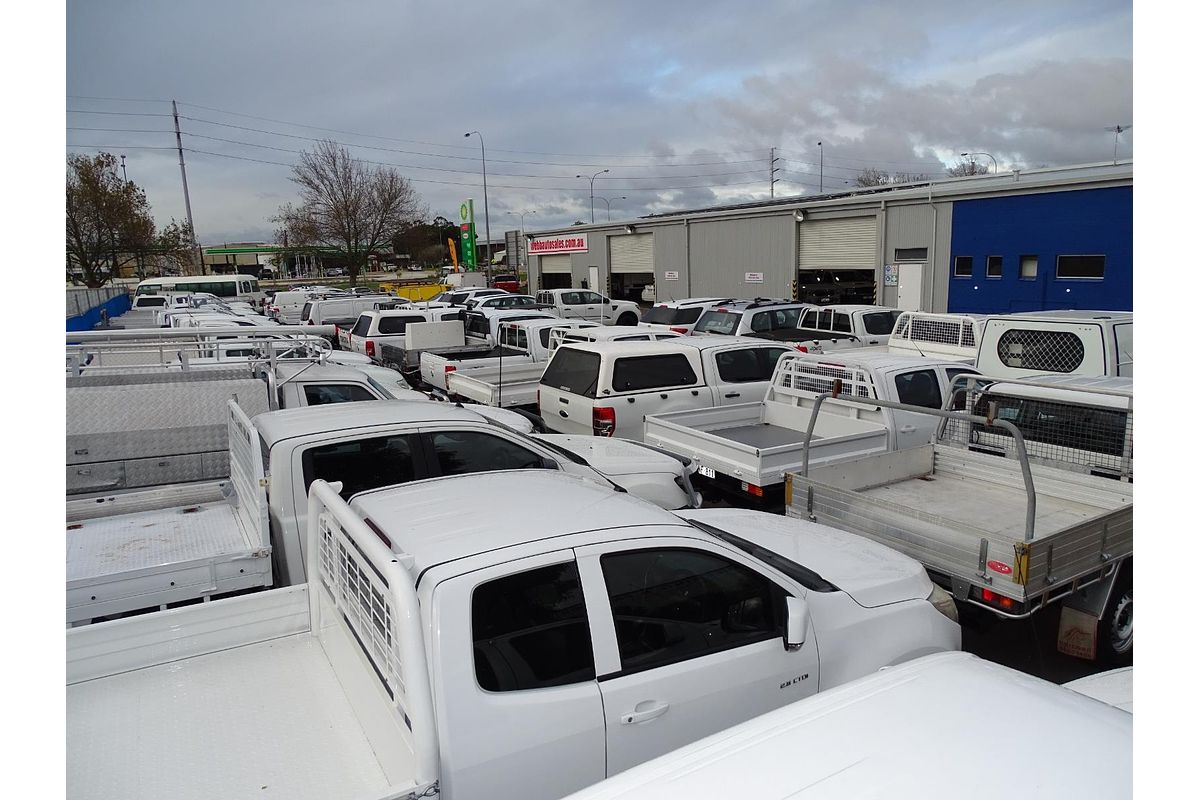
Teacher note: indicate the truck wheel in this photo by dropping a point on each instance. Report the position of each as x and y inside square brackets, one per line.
[1114, 646]
[627, 319]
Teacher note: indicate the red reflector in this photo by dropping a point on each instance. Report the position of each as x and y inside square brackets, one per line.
[679, 330]
[604, 421]
[750, 488]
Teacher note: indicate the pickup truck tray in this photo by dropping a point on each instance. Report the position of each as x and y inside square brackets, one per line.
[200, 722]
[178, 553]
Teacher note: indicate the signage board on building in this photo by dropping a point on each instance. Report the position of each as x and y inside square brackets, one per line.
[548, 245]
[754, 277]
[891, 274]
[671, 275]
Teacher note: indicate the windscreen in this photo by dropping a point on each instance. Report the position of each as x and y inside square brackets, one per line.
[665, 315]
[573, 371]
[718, 322]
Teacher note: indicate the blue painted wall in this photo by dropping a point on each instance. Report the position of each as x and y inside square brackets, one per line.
[116, 306]
[1083, 222]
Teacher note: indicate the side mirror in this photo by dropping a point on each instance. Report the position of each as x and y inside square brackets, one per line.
[797, 623]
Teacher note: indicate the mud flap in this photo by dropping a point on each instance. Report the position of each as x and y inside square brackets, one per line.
[1077, 633]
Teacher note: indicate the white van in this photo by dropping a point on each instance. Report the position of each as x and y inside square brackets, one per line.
[342, 311]
[227, 287]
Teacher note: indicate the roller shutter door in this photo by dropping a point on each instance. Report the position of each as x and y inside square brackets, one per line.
[629, 254]
[552, 265]
[838, 243]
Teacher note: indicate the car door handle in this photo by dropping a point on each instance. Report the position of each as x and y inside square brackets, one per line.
[663, 396]
[695, 392]
[654, 712]
[907, 428]
[563, 400]
[733, 394]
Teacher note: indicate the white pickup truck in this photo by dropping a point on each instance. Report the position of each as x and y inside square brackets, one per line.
[867, 325]
[747, 449]
[448, 640]
[1080, 343]
[139, 550]
[607, 388]
[590, 306]
[476, 337]
[1005, 508]
[374, 328]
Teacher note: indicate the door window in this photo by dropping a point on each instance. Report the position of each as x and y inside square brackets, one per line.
[919, 388]
[572, 298]
[841, 322]
[671, 605]
[809, 320]
[530, 630]
[739, 366]
[958, 389]
[324, 394]
[462, 452]
[591, 298]
[637, 373]
[363, 464]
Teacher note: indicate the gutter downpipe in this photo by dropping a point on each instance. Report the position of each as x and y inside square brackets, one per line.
[687, 253]
[932, 250]
[882, 252]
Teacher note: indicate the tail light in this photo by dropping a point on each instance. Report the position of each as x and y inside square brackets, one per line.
[604, 421]
[998, 600]
[370, 348]
[539, 397]
[751, 489]
[451, 368]
[802, 348]
[680, 330]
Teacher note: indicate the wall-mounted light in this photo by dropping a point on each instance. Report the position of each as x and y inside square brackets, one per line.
[629, 229]
[799, 215]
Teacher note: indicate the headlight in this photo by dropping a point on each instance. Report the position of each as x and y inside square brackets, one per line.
[943, 601]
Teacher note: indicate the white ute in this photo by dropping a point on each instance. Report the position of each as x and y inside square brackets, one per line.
[452, 638]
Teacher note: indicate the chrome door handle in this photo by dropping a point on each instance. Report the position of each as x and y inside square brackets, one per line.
[907, 428]
[635, 716]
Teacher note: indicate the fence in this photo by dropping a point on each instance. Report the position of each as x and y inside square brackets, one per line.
[84, 306]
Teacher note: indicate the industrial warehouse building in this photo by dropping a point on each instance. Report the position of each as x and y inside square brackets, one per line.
[1016, 241]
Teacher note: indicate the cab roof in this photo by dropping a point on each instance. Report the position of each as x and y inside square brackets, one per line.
[1071, 315]
[879, 359]
[276, 426]
[449, 518]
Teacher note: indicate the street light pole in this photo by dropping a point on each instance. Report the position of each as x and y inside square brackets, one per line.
[124, 174]
[821, 150]
[521, 247]
[487, 221]
[608, 205]
[995, 163]
[592, 192]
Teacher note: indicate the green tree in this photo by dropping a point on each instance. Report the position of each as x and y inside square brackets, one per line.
[347, 207]
[108, 219]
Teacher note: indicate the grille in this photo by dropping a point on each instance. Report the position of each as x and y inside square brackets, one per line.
[1047, 351]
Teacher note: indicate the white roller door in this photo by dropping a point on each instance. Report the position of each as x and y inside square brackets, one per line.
[838, 243]
[551, 265]
[631, 253]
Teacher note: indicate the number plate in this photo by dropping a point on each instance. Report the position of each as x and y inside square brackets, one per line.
[707, 472]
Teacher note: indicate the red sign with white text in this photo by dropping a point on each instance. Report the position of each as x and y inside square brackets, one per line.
[547, 245]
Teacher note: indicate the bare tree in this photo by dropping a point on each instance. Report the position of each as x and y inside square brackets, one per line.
[964, 169]
[347, 208]
[878, 177]
[108, 219]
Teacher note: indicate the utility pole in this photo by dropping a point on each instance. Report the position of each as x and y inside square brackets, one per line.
[821, 149]
[124, 174]
[187, 200]
[774, 169]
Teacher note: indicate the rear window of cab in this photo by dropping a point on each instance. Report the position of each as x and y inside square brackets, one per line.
[718, 322]
[573, 371]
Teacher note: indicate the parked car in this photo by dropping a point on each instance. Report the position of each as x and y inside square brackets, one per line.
[863, 738]
[508, 283]
[680, 316]
[375, 328]
[749, 316]
[648, 293]
[866, 325]
[592, 306]
[477, 636]
[607, 388]
[502, 301]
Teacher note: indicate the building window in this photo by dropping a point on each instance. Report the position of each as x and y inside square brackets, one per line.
[911, 253]
[1081, 267]
[995, 266]
[1029, 268]
[963, 265]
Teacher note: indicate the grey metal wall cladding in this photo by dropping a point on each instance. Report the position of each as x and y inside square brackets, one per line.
[631, 253]
[724, 251]
[850, 243]
[555, 264]
[670, 255]
[912, 225]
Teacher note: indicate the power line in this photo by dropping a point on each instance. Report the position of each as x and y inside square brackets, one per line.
[115, 99]
[116, 147]
[116, 113]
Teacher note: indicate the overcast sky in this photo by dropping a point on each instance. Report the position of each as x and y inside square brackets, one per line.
[679, 100]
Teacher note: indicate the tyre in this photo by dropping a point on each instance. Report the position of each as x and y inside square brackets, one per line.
[1114, 636]
[628, 319]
